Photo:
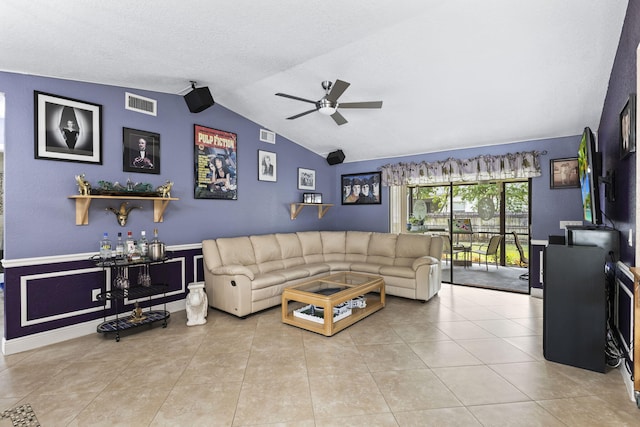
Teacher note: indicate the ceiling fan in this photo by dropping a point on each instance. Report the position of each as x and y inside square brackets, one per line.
[328, 104]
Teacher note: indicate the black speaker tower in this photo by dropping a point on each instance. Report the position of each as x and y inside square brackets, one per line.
[335, 157]
[199, 99]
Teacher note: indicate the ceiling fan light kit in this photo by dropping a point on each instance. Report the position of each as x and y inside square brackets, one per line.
[328, 105]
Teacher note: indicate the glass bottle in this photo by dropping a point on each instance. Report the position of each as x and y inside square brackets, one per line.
[120, 247]
[143, 244]
[105, 247]
[135, 253]
[130, 244]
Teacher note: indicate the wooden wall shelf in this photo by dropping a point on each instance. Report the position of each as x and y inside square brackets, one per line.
[296, 208]
[83, 202]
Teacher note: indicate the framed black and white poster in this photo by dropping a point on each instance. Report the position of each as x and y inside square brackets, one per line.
[140, 151]
[216, 164]
[361, 188]
[267, 166]
[67, 129]
[564, 173]
[306, 179]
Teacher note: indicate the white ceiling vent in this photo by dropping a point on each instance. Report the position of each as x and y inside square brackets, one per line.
[140, 104]
[267, 136]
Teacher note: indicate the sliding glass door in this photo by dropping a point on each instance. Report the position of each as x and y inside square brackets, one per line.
[481, 223]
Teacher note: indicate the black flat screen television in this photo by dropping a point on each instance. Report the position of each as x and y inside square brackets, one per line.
[589, 171]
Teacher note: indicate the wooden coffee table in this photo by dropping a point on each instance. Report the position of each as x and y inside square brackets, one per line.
[349, 297]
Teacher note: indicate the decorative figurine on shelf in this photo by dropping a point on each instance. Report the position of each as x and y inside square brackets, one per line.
[136, 314]
[165, 189]
[123, 214]
[197, 304]
[84, 188]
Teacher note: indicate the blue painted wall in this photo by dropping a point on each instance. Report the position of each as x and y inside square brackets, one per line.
[622, 82]
[41, 187]
[40, 219]
[549, 206]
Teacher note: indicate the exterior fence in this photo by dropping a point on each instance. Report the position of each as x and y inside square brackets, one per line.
[482, 231]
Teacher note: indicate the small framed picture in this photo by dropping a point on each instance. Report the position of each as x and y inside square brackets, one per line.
[267, 166]
[312, 198]
[306, 179]
[361, 188]
[67, 129]
[564, 173]
[140, 151]
[628, 127]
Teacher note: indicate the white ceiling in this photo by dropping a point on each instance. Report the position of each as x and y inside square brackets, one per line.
[452, 73]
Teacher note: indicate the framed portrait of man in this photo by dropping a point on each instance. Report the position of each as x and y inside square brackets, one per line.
[140, 151]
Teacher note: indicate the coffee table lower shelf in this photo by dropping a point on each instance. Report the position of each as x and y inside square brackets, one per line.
[359, 294]
[129, 322]
[356, 315]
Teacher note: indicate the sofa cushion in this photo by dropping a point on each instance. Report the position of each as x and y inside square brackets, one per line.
[266, 280]
[267, 252]
[266, 248]
[293, 273]
[236, 250]
[365, 267]
[316, 268]
[311, 243]
[357, 242]
[336, 266]
[392, 270]
[382, 248]
[290, 249]
[210, 254]
[411, 246]
[356, 246]
[333, 242]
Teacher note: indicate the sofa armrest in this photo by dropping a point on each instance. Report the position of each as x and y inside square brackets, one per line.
[425, 260]
[232, 270]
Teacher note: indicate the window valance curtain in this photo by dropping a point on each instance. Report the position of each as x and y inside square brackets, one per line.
[481, 168]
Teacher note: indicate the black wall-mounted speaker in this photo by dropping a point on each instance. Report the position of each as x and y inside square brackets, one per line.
[199, 99]
[335, 157]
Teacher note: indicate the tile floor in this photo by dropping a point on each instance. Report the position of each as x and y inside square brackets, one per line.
[469, 357]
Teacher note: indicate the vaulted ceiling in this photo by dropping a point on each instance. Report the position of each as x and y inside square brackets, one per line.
[451, 73]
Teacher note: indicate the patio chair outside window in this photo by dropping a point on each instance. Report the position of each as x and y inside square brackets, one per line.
[446, 248]
[524, 261]
[490, 249]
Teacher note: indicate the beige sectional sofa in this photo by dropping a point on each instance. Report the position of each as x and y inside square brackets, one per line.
[247, 274]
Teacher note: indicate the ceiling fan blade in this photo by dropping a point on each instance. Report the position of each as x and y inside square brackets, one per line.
[302, 114]
[372, 104]
[338, 118]
[337, 89]
[295, 97]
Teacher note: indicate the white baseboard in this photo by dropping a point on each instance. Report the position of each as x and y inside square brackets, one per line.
[54, 336]
[537, 293]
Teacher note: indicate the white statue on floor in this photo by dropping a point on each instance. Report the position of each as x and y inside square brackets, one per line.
[197, 304]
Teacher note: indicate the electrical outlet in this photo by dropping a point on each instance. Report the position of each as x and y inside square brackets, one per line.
[94, 294]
